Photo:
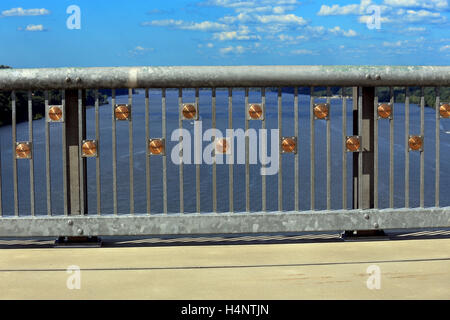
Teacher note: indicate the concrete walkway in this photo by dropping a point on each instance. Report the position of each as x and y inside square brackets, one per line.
[411, 269]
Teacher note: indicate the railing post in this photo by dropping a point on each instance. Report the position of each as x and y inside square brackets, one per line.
[367, 147]
[366, 182]
[76, 194]
[74, 189]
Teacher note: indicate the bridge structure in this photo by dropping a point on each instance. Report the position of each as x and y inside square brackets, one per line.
[361, 213]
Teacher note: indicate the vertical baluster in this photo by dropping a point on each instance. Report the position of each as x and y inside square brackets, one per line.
[147, 137]
[180, 125]
[391, 152]
[80, 142]
[230, 166]
[47, 157]
[296, 159]
[64, 153]
[14, 140]
[247, 168]
[114, 151]
[97, 160]
[329, 150]
[214, 169]
[437, 173]
[406, 147]
[375, 150]
[30, 138]
[130, 145]
[264, 152]
[1, 197]
[360, 154]
[422, 154]
[312, 148]
[197, 166]
[163, 119]
[280, 167]
[344, 150]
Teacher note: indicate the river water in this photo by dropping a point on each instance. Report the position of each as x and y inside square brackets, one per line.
[139, 145]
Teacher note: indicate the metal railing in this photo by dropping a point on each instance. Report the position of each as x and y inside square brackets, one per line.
[367, 112]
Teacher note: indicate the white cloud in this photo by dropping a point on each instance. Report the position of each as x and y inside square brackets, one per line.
[317, 32]
[285, 37]
[314, 31]
[140, 50]
[395, 44]
[32, 28]
[229, 3]
[274, 21]
[414, 30]
[233, 35]
[425, 4]
[338, 31]
[411, 31]
[421, 15]
[285, 19]
[231, 49]
[405, 44]
[241, 34]
[302, 51]
[350, 33]
[335, 10]
[180, 24]
[163, 23]
[445, 48]
[236, 4]
[254, 9]
[279, 10]
[241, 17]
[19, 12]
[251, 20]
[408, 11]
[244, 8]
[205, 26]
[354, 9]
[282, 9]
[365, 19]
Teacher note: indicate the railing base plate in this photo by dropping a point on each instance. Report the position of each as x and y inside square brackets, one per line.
[364, 235]
[78, 242]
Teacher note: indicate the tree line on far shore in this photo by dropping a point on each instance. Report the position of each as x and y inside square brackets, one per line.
[383, 94]
[38, 100]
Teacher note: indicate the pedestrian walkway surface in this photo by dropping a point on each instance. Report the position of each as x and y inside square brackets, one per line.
[408, 269]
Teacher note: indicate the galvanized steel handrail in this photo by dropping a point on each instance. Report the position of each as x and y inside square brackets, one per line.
[222, 76]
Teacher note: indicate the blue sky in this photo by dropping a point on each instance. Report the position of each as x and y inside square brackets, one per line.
[224, 32]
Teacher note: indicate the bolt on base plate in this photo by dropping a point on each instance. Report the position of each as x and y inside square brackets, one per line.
[78, 242]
